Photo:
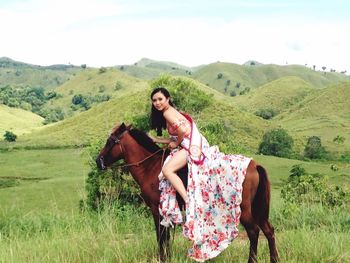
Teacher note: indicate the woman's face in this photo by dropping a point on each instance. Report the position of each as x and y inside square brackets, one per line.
[159, 101]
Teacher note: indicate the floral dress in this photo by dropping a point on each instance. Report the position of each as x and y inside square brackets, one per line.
[215, 194]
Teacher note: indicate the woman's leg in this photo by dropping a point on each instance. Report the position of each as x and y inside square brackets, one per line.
[175, 163]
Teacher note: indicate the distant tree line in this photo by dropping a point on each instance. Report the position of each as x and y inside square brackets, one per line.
[31, 99]
[278, 142]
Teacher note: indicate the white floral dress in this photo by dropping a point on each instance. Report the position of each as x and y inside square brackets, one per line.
[215, 194]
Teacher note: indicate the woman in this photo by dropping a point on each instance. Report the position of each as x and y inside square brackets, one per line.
[214, 181]
[164, 115]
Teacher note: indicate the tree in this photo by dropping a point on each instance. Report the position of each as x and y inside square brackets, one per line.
[277, 142]
[77, 99]
[10, 136]
[102, 70]
[83, 66]
[266, 114]
[118, 85]
[220, 76]
[339, 139]
[314, 148]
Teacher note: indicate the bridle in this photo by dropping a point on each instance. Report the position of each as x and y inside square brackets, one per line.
[116, 140]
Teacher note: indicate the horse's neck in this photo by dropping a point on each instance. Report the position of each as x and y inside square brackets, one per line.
[141, 162]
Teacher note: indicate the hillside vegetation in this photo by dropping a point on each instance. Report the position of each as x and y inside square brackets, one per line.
[18, 121]
[22, 74]
[149, 69]
[325, 114]
[278, 95]
[93, 100]
[250, 77]
[242, 130]
[95, 83]
[44, 215]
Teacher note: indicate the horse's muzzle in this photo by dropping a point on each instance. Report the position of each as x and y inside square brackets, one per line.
[100, 163]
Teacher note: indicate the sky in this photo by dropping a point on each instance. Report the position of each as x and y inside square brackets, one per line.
[188, 32]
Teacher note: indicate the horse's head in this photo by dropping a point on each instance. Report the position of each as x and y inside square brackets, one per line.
[112, 151]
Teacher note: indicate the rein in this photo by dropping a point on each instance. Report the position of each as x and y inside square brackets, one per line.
[143, 160]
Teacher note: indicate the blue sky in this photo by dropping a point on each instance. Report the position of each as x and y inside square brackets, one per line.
[105, 32]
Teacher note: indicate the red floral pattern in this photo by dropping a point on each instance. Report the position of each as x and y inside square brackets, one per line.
[215, 194]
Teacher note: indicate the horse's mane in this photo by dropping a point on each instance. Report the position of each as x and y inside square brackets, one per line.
[144, 140]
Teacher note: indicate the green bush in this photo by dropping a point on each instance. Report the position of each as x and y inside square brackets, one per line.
[10, 136]
[302, 187]
[277, 142]
[108, 188]
[184, 92]
[266, 113]
[314, 148]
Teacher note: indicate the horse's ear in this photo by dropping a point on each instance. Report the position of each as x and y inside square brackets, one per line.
[129, 127]
[122, 127]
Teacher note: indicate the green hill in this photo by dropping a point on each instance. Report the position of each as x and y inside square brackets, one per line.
[22, 74]
[93, 83]
[325, 114]
[250, 77]
[18, 121]
[244, 129]
[278, 95]
[150, 69]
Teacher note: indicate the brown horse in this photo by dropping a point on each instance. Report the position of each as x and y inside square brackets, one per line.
[144, 160]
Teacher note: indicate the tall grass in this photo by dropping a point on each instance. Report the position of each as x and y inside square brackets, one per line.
[40, 221]
[127, 235]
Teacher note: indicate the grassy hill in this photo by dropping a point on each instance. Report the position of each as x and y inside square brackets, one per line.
[22, 74]
[92, 82]
[244, 129]
[304, 111]
[18, 121]
[325, 114]
[254, 76]
[278, 95]
[149, 69]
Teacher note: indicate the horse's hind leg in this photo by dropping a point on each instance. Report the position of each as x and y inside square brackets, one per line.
[252, 229]
[269, 232]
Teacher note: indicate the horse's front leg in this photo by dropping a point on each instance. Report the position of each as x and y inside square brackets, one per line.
[163, 235]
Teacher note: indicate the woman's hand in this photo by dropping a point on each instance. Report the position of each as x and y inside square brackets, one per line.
[173, 145]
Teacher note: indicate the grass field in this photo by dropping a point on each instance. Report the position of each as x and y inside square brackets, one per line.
[40, 220]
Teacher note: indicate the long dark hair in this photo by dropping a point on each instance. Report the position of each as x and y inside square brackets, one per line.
[158, 121]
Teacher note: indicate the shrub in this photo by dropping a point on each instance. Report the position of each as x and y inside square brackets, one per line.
[219, 76]
[276, 142]
[266, 113]
[110, 187]
[185, 94]
[10, 136]
[339, 139]
[77, 99]
[314, 148]
[101, 88]
[302, 187]
[52, 115]
[118, 85]
[102, 70]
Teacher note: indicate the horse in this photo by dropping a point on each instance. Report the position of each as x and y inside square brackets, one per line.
[144, 160]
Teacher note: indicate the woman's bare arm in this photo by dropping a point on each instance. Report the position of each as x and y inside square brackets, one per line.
[159, 140]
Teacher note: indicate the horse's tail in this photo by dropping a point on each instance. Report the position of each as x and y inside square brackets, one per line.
[261, 202]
